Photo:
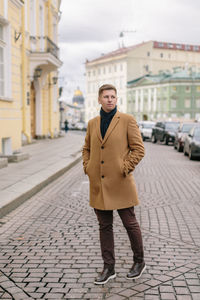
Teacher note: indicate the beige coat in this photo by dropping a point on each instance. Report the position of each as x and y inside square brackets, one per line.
[109, 161]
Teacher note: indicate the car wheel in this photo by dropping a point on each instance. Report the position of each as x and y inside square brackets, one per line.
[175, 147]
[166, 140]
[179, 149]
[191, 157]
[184, 151]
[153, 139]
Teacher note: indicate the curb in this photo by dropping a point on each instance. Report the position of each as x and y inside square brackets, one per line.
[13, 204]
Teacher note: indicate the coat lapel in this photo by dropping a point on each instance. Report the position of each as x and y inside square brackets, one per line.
[98, 130]
[112, 125]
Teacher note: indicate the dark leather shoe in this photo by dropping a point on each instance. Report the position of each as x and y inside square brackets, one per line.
[106, 274]
[136, 270]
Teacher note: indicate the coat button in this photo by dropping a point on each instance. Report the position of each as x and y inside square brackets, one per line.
[102, 176]
[102, 147]
[102, 162]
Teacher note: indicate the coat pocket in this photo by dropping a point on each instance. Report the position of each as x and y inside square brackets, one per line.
[87, 167]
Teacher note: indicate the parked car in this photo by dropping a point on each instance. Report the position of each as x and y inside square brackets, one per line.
[164, 132]
[146, 129]
[181, 134]
[192, 143]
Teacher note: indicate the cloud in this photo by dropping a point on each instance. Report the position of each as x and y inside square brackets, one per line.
[89, 28]
[94, 21]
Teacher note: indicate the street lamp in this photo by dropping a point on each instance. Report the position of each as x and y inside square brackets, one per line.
[54, 81]
[37, 73]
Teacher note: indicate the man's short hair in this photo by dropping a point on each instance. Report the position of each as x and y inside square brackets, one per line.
[106, 87]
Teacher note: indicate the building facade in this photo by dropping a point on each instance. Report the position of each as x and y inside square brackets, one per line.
[29, 62]
[165, 96]
[128, 63]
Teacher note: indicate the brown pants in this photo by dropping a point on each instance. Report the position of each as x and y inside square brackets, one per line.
[127, 215]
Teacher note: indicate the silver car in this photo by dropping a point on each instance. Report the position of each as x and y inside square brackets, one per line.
[192, 143]
[146, 129]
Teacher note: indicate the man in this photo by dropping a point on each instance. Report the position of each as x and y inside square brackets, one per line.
[113, 147]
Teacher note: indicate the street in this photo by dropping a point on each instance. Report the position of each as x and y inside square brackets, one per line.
[49, 247]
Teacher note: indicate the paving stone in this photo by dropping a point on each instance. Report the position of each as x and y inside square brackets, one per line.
[50, 244]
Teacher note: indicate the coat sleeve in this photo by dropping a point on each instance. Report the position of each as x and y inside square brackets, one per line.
[136, 147]
[86, 149]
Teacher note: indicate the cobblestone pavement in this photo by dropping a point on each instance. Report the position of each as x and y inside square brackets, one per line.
[49, 247]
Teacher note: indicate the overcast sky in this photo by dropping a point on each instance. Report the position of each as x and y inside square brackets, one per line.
[89, 28]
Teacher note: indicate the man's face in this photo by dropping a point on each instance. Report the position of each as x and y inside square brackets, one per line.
[108, 100]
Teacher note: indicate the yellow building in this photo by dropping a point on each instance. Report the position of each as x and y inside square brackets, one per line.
[29, 62]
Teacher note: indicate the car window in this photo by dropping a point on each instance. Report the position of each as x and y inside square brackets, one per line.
[172, 126]
[148, 125]
[197, 132]
[186, 127]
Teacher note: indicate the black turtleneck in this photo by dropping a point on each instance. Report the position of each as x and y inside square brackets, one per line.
[106, 118]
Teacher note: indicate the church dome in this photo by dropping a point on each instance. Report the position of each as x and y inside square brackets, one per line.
[78, 98]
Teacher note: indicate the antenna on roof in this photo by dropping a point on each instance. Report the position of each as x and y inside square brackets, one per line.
[121, 37]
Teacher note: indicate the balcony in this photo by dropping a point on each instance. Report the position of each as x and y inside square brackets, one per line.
[45, 53]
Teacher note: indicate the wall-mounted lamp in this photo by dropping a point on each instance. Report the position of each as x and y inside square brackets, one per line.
[37, 73]
[54, 80]
[17, 35]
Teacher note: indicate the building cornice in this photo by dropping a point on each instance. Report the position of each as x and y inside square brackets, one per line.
[105, 60]
[17, 3]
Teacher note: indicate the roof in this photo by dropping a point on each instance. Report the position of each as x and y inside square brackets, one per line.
[162, 77]
[156, 44]
[117, 52]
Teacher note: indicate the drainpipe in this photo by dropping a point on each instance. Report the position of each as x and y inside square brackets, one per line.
[24, 79]
[50, 89]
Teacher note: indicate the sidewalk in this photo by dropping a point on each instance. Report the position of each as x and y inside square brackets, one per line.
[48, 160]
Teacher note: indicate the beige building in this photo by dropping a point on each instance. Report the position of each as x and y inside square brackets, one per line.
[127, 63]
[29, 62]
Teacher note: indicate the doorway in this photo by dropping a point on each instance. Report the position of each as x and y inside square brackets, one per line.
[32, 110]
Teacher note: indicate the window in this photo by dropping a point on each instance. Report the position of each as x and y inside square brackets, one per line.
[161, 55]
[5, 60]
[33, 18]
[198, 103]
[196, 48]
[197, 117]
[165, 105]
[120, 83]
[88, 73]
[187, 89]
[115, 68]
[174, 116]
[2, 60]
[164, 89]
[187, 103]
[159, 104]
[173, 103]
[187, 116]
[187, 47]
[198, 88]
[148, 53]
[178, 46]
[161, 45]
[171, 46]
